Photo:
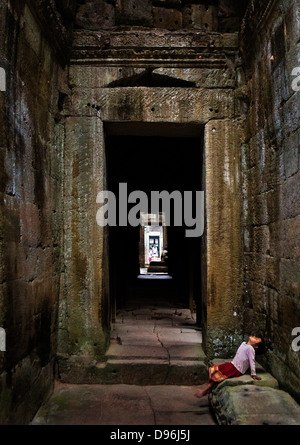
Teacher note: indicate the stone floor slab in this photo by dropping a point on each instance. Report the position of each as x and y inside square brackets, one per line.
[137, 351]
[124, 405]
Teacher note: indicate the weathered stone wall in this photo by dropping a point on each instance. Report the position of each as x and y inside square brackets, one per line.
[271, 181]
[208, 16]
[31, 151]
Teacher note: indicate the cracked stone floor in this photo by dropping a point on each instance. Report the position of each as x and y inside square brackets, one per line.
[149, 333]
[155, 332]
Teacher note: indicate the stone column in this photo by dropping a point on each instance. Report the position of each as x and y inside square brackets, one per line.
[84, 306]
[223, 237]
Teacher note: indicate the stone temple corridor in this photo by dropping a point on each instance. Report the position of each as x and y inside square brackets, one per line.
[105, 106]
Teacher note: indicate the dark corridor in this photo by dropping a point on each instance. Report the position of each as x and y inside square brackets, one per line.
[155, 163]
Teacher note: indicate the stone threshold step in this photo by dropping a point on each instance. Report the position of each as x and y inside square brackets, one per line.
[140, 371]
[155, 371]
[139, 352]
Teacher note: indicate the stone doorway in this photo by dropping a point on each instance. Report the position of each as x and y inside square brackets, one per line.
[87, 307]
[178, 168]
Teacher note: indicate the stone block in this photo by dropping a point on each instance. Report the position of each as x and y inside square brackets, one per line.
[255, 182]
[91, 77]
[289, 197]
[134, 12]
[263, 269]
[21, 261]
[286, 369]
[29, 387]
[10, 220]
[223, 186]
[84, 239]
[261, 235]
[291, 157]
[280, 90]
[85, 38]
[170, 19]
[202, 78]
[30, 224]
[133, 352]
[272, 275]
[177, 105]
[290, 288]
[186, 372]
[256, 149]
[284, 238]
[95, 15]
[254, 405]
[258, 209]
[291, 115]
[153, 372]
[201, 16]
[259, 294]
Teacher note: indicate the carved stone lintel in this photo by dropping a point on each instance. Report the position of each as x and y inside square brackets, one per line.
[155, 48]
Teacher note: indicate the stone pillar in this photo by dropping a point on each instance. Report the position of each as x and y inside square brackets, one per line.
[84, 306]
[223, 237]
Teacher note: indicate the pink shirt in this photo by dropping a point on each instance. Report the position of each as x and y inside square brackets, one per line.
[244, 359]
